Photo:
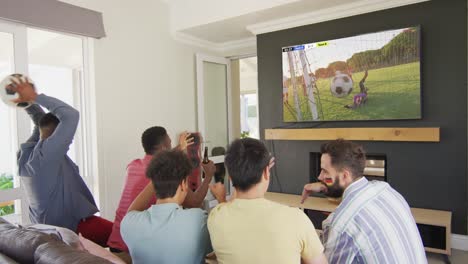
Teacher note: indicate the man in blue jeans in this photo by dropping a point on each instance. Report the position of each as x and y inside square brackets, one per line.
[56, 193]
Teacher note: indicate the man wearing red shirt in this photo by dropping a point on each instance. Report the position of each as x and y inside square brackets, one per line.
[154, 140]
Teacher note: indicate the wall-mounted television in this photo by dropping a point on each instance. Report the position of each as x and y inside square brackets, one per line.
[375, 76]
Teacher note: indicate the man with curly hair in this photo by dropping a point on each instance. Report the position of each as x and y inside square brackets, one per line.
[157, 234]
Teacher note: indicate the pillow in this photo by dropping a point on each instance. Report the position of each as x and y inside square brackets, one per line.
[68, 237]
[99, 251]
[20, 244]
[57, 252]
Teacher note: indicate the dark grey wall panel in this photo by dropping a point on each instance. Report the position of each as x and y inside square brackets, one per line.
[428, 175]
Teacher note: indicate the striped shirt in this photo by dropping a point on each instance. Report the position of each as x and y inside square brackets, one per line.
[373, 224]
[135, 182]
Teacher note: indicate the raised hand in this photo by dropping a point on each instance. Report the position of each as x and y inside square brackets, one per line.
[185, 140]
[209, 169]
[309, 188]
[271, 163]
[24, 89]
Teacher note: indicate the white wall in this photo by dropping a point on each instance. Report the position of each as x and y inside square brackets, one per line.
[143, 78]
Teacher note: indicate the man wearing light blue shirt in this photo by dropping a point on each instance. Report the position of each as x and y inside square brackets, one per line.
[167, 233]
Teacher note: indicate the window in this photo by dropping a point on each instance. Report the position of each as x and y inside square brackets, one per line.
[56, 67]
[7, 138]
[57, 64]
[10, 194]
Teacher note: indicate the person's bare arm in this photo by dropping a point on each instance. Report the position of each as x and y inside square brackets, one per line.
[195, 199]
[143, 199]
[219, 192]
[309, 188]
[321, 259]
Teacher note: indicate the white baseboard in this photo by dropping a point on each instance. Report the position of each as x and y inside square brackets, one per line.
[460, 242]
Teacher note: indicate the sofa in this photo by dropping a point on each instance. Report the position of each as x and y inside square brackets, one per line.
[35, 245]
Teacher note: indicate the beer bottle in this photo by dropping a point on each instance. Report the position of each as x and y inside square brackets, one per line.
[205, 160]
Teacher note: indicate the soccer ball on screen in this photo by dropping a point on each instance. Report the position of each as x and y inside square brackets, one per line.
[341, 85]
[6, 92]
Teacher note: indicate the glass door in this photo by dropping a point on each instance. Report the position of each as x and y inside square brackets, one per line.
[215, 111]
[214, 108]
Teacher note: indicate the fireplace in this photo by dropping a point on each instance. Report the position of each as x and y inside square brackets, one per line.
[376, 167]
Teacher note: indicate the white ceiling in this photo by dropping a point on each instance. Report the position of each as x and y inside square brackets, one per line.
[224, 25]
[227, 25]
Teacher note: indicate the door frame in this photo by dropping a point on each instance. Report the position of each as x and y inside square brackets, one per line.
[200, 59]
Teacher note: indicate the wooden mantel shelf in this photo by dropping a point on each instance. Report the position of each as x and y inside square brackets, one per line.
[409, 134]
